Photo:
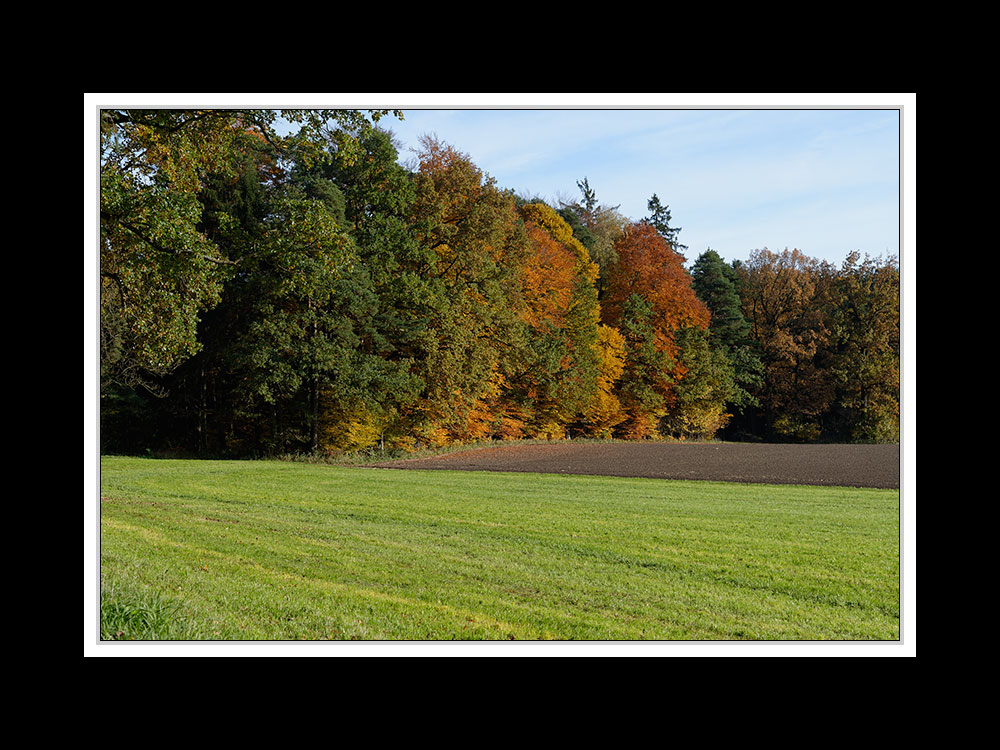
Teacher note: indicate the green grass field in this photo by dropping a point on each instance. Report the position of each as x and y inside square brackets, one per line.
[271, 550]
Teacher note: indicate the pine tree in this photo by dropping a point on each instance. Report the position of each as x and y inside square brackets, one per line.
[659, 218]
[715, 283]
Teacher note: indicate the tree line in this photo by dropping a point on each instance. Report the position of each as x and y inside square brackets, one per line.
[264, 294]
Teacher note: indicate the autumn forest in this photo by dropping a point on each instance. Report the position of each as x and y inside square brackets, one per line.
[266, 294]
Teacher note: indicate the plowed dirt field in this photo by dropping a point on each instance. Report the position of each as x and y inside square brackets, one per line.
[831, 465]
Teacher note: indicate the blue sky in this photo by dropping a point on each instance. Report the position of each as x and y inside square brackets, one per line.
[826, 181]
[817, 172]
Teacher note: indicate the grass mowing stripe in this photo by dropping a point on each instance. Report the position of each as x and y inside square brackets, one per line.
[240, 565]
[321, 552]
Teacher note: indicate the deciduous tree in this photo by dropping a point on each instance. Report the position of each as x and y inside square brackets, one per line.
[865, 332]
[703, 389]
[564, 314]
[645, 388]
[478, 246]
[648, 267]
[159, 271]
[784, 301]
[605, 411]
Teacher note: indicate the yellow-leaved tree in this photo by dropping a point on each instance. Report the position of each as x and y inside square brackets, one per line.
[605, 411]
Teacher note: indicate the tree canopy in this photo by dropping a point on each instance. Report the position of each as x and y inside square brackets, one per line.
[304, 292]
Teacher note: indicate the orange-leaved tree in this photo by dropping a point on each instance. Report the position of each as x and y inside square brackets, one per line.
[647, 267]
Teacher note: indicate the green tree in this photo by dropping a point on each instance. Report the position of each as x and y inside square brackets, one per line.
[323, 347]
[392, 328]
[715, 283]
[159, 270]
[579, 229]
[645, 387]
[287, 341]
[703, 390]
[865, 330]
[659, 217]
[603, 227]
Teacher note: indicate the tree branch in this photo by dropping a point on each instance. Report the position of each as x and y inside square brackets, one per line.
[156, 246]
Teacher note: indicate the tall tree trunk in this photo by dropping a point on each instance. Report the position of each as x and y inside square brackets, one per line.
[202, 415]
[314, 437]
[314, 387]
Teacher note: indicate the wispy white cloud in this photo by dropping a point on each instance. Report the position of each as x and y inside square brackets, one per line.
[825, 181]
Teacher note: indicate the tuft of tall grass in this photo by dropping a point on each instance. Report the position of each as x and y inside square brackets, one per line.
[128, 614]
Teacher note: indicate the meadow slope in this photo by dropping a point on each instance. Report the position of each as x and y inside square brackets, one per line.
[267, 550]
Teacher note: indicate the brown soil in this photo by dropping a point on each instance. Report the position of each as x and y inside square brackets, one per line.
[833, 465]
